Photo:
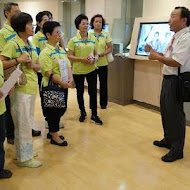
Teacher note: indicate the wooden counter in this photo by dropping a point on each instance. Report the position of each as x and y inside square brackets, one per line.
[121, 81]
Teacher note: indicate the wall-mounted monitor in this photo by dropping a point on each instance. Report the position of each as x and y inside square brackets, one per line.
[155, 32]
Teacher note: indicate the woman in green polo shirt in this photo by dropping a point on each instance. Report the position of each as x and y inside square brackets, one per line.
[53, 60]
[104, 47]
[3, 173]
[83, 53]
[21, 51]
[40, 41]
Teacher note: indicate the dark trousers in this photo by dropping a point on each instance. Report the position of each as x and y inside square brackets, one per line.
[39, 79]
[53, 115]
[173, 116]
[39, 85]
[40, 76]
[9, 120]
[2, 139]
[102, 73]
[92, 90]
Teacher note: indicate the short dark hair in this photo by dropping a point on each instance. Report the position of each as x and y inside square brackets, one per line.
[20, 20]
[8, 6]
[99, 16]
[49, 26]
[185, 13]
[49, 14]
[39, 17]
[79, 18]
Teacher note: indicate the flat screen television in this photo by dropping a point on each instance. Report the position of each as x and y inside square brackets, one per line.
[155, 32]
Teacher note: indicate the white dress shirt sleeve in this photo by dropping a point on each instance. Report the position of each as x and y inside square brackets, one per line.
[181, 50]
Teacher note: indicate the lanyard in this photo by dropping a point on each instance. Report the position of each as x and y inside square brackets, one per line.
[29, 49]
[57, 50]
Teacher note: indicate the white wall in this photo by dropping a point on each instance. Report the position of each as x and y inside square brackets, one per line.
[95, 7]
[161, 8]
[34, 6]
[110, 9]
[113, 9]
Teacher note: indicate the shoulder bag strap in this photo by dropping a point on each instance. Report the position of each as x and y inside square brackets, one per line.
[50, 83]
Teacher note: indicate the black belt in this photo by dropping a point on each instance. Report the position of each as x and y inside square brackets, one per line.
[170, 77]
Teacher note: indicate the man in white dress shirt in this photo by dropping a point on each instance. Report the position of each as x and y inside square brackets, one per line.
[177, 55]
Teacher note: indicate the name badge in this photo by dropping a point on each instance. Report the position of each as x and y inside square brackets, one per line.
[64, 70]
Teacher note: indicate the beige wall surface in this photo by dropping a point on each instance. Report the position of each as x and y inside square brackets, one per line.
[110, 9]
[95, 7]
[161, 8]
[33, 7]
[147, 83]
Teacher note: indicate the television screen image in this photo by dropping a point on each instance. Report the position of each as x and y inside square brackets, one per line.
[156, 34]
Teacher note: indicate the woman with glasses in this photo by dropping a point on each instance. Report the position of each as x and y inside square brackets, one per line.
[54, 63]
[83, 54]
[40, 41]
[104, 48]
[21, 52]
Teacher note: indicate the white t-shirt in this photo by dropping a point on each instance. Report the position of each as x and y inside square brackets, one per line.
[180, 52]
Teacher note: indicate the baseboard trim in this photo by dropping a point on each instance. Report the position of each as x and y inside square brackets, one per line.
[149, 106]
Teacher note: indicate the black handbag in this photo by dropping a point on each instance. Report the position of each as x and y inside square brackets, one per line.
[52, 95]
[183, 91]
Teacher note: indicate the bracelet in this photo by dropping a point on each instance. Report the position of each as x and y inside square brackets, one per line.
[16, 61]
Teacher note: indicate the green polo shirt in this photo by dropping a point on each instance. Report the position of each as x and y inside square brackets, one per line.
[2, 102]
[14, 49]
[39, 40]
[82, 48]
[49, 61]
[6, 34]
[103, 39]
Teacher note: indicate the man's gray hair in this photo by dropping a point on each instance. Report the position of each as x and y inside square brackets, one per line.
[8, 6]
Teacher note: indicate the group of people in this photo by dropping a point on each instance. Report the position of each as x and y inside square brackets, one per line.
[156, 44]
[42, 59]
[86, 59]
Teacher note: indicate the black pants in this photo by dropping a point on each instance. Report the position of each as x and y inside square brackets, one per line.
[173, 116]
[53, 115]
[9, 120]
[39, 79]
[102, 73]
[2, 139]
[39, 85]
[92, 90]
